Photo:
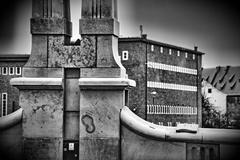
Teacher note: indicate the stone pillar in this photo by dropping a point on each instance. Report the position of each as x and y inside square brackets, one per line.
[72, 94]
[102, 89]
[41, 87]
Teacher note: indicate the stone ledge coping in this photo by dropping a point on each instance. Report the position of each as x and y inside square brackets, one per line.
[11, 119]
[37, 83]
[204, 135]
[106, 82]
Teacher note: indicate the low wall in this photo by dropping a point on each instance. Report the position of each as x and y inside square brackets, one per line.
[141, 140]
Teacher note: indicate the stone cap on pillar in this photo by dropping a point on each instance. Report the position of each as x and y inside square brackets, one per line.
[37, 83]
[106, 83]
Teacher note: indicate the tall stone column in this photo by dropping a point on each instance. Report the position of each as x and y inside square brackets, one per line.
[102, 89]
[71, 95]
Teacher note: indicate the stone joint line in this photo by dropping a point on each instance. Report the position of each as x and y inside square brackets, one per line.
[167, 109]
[171, 68]
[171, 86]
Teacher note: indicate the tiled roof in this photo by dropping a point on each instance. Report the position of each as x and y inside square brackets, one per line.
[225, 79]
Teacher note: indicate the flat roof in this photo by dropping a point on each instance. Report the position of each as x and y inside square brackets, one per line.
[144, 40]
[14, 57]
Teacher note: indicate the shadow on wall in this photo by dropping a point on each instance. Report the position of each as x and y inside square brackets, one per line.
[10, 143]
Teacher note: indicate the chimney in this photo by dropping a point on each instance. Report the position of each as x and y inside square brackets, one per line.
[196, 48]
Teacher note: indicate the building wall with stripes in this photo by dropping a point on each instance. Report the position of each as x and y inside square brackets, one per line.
[172, 84]
[9, 95]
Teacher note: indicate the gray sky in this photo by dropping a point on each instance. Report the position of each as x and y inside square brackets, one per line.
[212, 25]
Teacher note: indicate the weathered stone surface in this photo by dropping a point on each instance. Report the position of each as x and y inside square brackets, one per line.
[99, 26]
[99, 148]
[100, 73]
[137, 147]
[43, 113]
[105, 52]
[51, 26]
[38, 57]
[61, 55]
[72, 93]
[71, 125]
[43, 148]
[99, 113]
[43, 72]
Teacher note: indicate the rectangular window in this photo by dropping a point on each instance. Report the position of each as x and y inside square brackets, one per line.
[178, 53]
[4, 104]
[209, 90]
[161, 49]
[152, 48]
[170, 51]
[124, 55]
[4, 71]
[193, 57]
[18, 70]
[0, 70]
[186, 55]
[169, 124]
[11, 70]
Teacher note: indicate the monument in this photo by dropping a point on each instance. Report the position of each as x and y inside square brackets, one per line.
[72, 95]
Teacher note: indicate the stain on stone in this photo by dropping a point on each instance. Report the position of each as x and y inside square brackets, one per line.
[61, 55]
[88, 122]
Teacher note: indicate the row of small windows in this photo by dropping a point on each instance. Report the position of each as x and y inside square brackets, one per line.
[10, 70]
[170, 52]
[4, 104]
[174, 110]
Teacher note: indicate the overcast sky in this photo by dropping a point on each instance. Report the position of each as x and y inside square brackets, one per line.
[212, 25]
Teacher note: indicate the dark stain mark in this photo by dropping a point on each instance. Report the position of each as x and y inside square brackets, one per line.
[88, 122]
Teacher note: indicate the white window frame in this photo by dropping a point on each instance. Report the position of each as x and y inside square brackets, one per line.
[6, 104]
[125, 55]
[186, 54]
[9, 70]
[178, 53]
[20, 70]
[4, 73]
[0, 70]
[152, 47]
[161, 49]
[194, 57]
[170, 51]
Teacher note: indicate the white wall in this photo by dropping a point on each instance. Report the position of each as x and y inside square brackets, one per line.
[217, 98]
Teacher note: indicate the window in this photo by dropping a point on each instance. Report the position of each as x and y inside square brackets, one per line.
[178, 53]
[11, 70]
[170, 51]
[186, 55]
[18, 70]
[152, 48]
[161, 49]
[194, 57]
[124, 55]
[169, 124]
[209, 90]
[4, 70]
[4, 104]
[160, 123]
[0, 70]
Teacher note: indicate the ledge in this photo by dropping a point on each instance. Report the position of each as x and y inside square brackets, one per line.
[11, 119]
[37, 83]
[204, 135]
[108, 83]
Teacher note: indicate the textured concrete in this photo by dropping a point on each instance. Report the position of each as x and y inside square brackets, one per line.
[99, 113]
[42, 113]
[43, 148]
[136, 147]
[61, 55]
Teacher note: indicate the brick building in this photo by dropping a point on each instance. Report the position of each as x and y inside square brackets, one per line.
[167, 77]
[168, 81]
[221, 85]
[10, 67]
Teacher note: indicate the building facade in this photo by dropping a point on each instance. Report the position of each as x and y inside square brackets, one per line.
[168, 80]
[10, 67]
[221, 85]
